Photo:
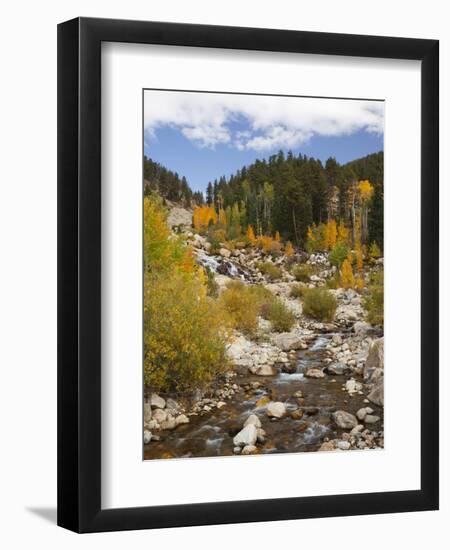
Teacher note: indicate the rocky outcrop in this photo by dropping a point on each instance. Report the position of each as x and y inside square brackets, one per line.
[179, 216]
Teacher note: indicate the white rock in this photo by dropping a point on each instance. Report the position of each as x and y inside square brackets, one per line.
[314, 373]
[159, 415]
[157, 402]
[168, 424]
[371, 419]
[352, 386]
[343, 445]
[264, 370]
[357, 429]
[253, 419]
[147, 437]
[181, 419]
[345, 420]
[247, 436]
[276, 409]
[224, 252]
[362, 413]
[287, 341]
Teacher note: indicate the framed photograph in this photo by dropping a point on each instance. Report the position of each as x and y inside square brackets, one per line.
[247, 275]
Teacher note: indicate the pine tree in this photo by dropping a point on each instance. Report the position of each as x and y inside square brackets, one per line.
[209, 194]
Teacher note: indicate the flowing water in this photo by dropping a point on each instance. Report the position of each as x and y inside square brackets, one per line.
[223, 266]
[212, 434]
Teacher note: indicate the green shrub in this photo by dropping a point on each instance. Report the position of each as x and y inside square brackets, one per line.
[261, 294]
[185, 334]
[211, 285]
[280, 316]
[374, 301]
[214, 242]
[302, 272]
[242, 306]
[298, 291]
[271, 271]
[338, 254]
[333, 282]
[319, 304]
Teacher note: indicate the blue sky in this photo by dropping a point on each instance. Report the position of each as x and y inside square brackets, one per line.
[203, 136]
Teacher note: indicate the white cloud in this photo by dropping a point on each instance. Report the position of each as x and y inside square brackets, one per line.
[207, 119]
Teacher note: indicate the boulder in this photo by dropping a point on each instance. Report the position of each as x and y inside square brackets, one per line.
[362, 413]
[315, 373]
[157, 402]
[224, 252]
[371, 419]
[276, 409]
[287, 341]
[376, 396]
[172, 404]
[253, 419]
[168, 424]
[337, 369]
[263, 370]
[181, 419]
[147, 437]
[247, 436]
[159, 415]
[375, 359]
[345, 420]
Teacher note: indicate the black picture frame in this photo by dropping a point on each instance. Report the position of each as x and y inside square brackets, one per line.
[79, 274]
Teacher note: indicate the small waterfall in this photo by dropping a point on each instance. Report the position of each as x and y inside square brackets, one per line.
[223, 266]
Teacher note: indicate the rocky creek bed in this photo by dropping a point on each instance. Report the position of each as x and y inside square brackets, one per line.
[309, 422]
[318, 387]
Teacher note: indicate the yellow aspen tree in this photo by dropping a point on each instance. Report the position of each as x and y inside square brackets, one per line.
[266, 242]
[347, 277]
[332, 234]
[277, 237]
[289, 249]
[359, 258]
[310, 239]
[251, 235]
[359, 283]
[342, 233]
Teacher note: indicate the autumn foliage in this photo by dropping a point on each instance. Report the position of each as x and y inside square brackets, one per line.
[185, 331]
